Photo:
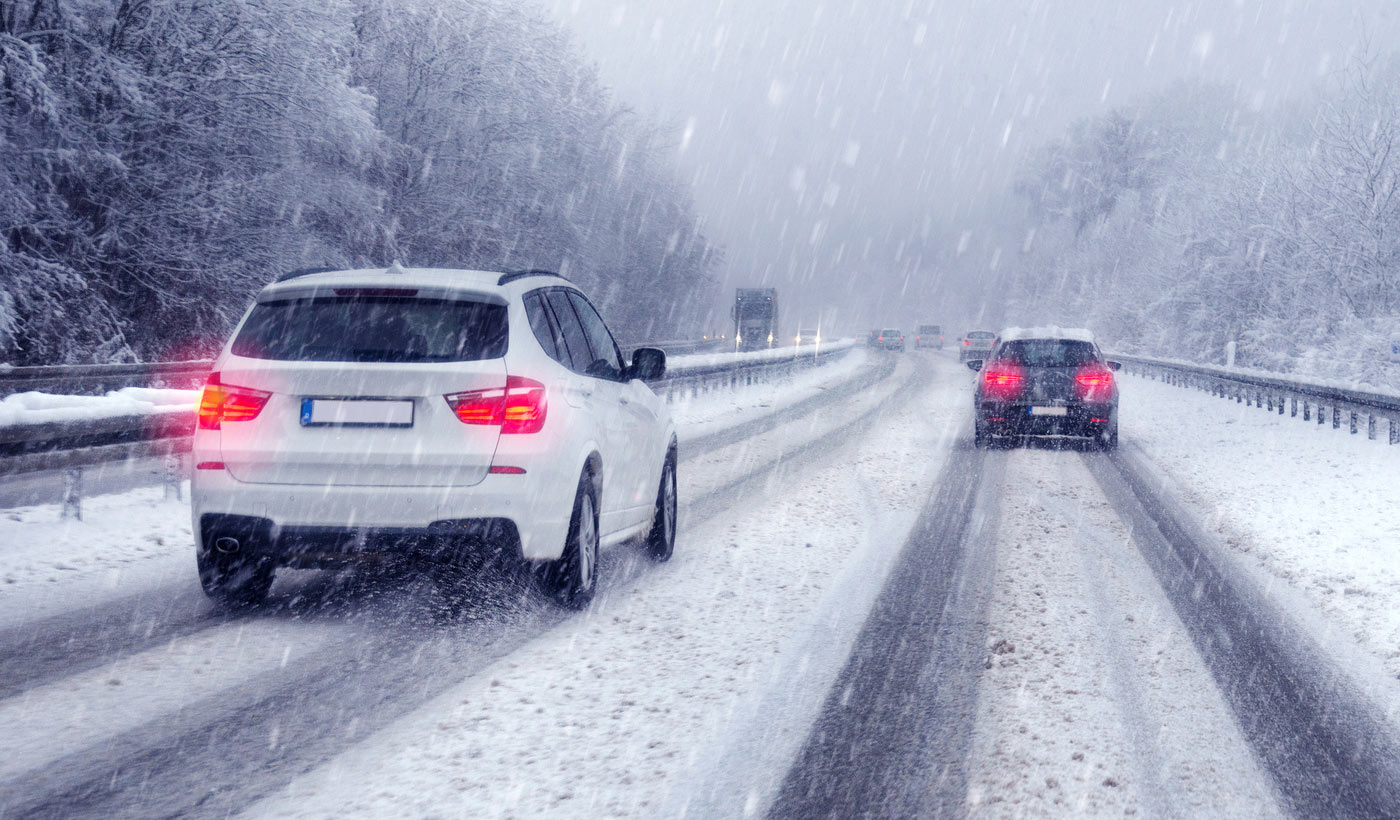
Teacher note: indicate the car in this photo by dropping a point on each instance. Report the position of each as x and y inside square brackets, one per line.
[427, 413]
[977, 344]
[890, 338]
[870, 339]
[929, 336]
[1046, 382]
[808, 337]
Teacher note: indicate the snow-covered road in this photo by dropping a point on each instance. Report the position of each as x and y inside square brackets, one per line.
[865, 617]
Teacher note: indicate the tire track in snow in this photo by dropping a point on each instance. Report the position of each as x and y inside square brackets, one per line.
[1094, 701]
[893, 735]
[1329, 750]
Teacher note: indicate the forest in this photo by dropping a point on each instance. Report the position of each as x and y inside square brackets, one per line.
[1195, 218]
[161, 160]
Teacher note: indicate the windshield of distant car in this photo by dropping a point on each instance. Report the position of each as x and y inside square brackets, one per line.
[373, 329]
[1048, 352]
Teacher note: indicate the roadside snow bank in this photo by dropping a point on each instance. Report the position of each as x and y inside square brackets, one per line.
[125, 543]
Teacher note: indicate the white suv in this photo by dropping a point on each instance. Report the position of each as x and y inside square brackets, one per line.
[445, 412]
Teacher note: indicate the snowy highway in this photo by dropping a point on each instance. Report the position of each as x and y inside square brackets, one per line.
[866, 616]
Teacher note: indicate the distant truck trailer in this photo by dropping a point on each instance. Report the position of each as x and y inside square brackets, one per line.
[755, 318]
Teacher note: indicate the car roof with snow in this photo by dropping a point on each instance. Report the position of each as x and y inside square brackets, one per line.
[1077, 334]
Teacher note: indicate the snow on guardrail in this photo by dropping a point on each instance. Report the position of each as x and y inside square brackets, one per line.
[33, 408]
[697, 363]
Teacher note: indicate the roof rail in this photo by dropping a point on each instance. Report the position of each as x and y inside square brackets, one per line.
[305, 272]
[511, 276]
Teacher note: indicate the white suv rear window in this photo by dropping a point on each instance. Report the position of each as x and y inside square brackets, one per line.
[373, 329]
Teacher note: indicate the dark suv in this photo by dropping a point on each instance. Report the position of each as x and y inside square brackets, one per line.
[1046, 382]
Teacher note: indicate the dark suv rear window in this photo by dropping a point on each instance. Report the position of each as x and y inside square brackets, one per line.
[373, 329]
[1048, 352]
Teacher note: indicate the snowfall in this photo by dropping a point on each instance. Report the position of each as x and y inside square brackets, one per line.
[688, 688]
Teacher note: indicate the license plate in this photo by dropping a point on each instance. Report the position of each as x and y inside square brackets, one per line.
[356, 413]
[1049, 411]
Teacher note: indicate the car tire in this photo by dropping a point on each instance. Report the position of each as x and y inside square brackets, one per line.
[661, 541]
[573, 578]
[1108, 440]
[980, 439]
[235, 580]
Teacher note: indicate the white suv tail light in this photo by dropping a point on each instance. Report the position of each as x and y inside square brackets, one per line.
[519, 407]
[225, 402]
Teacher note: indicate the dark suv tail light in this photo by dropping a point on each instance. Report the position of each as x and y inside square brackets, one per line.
[225, 402]
[1094, 382]
[519, 407]
[1002, 381]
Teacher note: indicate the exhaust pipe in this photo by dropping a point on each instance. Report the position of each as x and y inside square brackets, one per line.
[226, 545]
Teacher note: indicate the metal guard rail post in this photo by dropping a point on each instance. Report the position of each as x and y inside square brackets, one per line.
[1277, 394]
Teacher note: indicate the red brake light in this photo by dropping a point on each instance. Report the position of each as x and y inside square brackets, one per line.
[477, 406]
[1094, 381]
[525, 406]
[225, 402]
[1001, 381]
[519, 407]
[967, 341]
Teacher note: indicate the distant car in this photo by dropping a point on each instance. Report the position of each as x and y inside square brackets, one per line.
[929, 336]
[870, 339]
[890, 338]
[1046, 382]
[427, 413]
[808, 337]
[977, 344]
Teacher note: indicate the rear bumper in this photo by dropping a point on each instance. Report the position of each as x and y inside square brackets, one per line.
[1088, 420]
[455, 542]
[354, 519]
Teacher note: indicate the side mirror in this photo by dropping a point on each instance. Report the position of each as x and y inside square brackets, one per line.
[648, 364]
[975, 365]
[1114, 365]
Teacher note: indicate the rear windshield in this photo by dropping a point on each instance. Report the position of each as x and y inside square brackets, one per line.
[889, 331]
[928, 329]
[373, 329]
[980, 334]
[1048, 353]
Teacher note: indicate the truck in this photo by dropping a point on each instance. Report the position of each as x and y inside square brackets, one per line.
[755, 318]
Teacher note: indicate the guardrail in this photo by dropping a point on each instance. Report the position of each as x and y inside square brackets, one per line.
[1316, 401]
[94, 379]
[73, 445]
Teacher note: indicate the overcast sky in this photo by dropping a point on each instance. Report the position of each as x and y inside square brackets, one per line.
[836, 146]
